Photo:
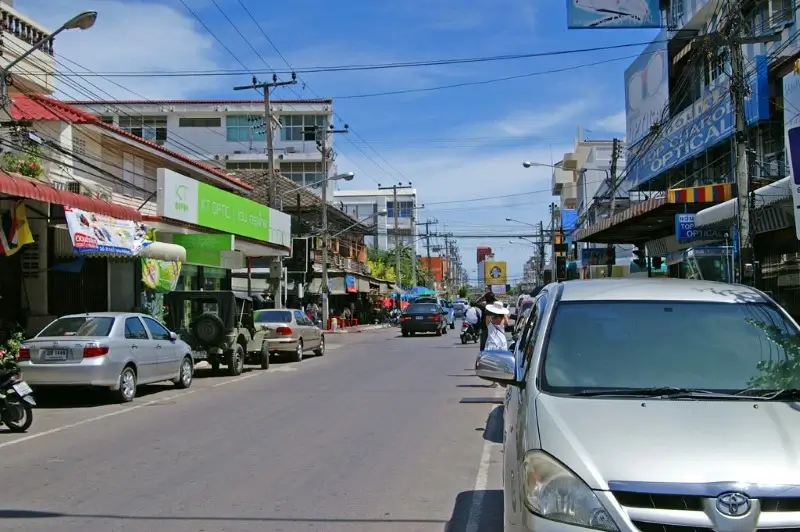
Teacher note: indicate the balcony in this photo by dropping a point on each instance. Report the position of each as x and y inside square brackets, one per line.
[569, 196]
[20, 33]
[561, 178]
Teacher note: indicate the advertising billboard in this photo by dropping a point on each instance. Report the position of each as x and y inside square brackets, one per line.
[646, 90]
[483, 252]
[583, 14]
[436, 265]
[697, 128]
[495, 272]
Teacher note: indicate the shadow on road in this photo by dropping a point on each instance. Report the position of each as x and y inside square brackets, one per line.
[493, 431]
[55, 398]
[475, 510]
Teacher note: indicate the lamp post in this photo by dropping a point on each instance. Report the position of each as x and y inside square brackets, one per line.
[81, 21]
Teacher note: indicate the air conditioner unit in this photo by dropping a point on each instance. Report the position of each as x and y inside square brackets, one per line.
[97, 191]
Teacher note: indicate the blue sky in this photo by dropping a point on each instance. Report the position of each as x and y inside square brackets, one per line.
[453, 145]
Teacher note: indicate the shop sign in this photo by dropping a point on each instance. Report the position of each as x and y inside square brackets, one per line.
[686, 232]
[701, 126]
[190, 201]
[96, 233]
[351, 286]
[793, 154]
[160, 276]
[204, 249]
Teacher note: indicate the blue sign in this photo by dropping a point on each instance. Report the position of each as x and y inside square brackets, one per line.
[704, 124]
[569, 218]
[646, 90]
[685, 231]
[613, 14]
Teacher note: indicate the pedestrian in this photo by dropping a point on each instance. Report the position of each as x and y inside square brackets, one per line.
[496, 337]
[486, 299]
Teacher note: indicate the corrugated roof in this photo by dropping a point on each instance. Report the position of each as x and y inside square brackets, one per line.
[33, 107]
[200, 102]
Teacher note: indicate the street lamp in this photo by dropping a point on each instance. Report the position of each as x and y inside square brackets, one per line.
[81, 21]
[523, 223]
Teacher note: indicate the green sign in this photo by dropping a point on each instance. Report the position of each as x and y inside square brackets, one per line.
[230, 213]
[204, 249]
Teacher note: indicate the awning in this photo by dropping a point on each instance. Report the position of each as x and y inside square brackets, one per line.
[768, 216]
[164, 251]
[36, 190]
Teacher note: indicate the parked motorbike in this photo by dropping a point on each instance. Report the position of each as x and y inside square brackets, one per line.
[16, 401]
[468, 333]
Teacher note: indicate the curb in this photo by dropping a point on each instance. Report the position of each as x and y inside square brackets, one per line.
[365, 328]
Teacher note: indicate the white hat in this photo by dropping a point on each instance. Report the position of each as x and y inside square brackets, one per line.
[497, 308]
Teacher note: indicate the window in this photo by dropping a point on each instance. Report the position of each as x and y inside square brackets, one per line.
[157, 331]
[423, 308]
[527, 341]
[780, 12]
[300, 318]
[79, 326]
[360, 211]
[199, 122]
[246, 165]
[133, 170]
[134, 330]
[724, 347]
[405, 210]
[273, 316]
[302, 173]
[78, 146]
[107, 119]
[716, 67]
[676, 12]
[244, 128]
[293, 127]
[153, 128]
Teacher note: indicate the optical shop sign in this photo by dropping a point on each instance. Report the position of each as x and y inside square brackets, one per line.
[187, 200]
[697, 128]
[686, 232]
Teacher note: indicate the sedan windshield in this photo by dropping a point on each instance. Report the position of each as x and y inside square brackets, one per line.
[619, 345]
[79, 326]
[273, 316]
[421, 308]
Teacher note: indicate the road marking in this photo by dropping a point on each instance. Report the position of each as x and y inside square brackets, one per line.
[93, 419]
[284, 369]
[238, 379]
[481, 481]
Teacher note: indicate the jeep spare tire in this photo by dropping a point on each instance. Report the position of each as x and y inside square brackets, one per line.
[208, 329]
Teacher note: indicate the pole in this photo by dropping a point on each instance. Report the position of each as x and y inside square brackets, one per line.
[446, 264]
[413, 245]
[612, 175]
[396, 216]
[742, 178]
[428, 248]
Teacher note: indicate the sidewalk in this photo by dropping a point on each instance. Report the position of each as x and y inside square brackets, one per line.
[358, 329]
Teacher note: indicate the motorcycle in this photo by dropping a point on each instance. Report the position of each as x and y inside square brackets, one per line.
[16, 401]
[468, 333]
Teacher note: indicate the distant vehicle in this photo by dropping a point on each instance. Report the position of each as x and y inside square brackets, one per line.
[114, 350]
[460, 308]
[423, 318]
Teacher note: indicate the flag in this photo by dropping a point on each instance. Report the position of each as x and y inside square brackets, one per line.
[16, 229]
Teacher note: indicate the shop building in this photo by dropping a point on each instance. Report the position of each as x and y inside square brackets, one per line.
[169, 208]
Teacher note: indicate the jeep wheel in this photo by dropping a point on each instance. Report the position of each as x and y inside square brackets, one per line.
[208, 329]
[236, 361]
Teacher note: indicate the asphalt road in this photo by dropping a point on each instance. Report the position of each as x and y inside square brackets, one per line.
[383, 433]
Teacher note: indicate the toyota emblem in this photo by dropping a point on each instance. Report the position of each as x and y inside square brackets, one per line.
[733, 504]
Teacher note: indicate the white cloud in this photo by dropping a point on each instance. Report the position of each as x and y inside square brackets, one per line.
[612, 124]
[528, 124]
[129, 36]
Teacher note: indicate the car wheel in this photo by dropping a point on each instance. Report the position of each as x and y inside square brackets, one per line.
[320, 351]
[127, 385]
[185, 374]
[444, 330]
[263, 356]
[404, 333]
[297, 356]
[236, 361]
[438, 332]
[453, 325]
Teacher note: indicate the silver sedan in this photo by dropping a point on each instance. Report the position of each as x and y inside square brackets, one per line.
[113, 350]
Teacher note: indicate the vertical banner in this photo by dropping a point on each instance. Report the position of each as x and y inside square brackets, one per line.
[793, 152]
[160, 276]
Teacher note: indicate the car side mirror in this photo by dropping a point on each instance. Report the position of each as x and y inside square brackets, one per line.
[509, 328]
[512, 346]
[173, 337]
[497, 366]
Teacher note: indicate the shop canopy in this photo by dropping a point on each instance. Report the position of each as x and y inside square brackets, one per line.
[419, 291]
[773, 209]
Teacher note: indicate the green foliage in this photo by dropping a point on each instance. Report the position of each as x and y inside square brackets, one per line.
[383, 265]
[29, 165]
[781, 373]
[463, 291]
[10, 351]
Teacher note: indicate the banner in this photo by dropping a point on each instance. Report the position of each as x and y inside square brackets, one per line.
[161, 276]
[95, 233]
[350, 284]
[613, 14]
[15, 231]
[495, 272]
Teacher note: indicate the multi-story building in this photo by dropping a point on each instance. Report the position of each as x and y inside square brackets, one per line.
[19, 34]
[365, 205]
[229, 134]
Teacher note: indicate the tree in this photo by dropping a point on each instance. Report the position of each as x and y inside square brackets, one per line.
[463, 291]
[382, 263]
[782, 372]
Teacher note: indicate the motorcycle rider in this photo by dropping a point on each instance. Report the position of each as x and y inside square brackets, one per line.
[471, 317]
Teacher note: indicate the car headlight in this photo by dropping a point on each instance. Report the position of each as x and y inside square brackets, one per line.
[554, 492]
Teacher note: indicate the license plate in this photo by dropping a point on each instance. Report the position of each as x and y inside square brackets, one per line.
[22, 389]
[56, 354]
[30, 400]
[199, 355]
[418, 317]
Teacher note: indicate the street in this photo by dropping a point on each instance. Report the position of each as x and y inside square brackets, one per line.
[383, 433]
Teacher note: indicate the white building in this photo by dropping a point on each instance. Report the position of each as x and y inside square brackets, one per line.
[365, 204]
[229, 134]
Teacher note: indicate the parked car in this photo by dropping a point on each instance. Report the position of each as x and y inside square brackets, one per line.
[290, 331]
[114, 350]
[423, 317]
[460, 308]
[218, 325]
[602, 434]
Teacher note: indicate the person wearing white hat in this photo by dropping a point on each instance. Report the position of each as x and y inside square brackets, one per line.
[496, 339]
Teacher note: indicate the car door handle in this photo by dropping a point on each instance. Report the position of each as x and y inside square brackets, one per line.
[134, 346]
[158, 346]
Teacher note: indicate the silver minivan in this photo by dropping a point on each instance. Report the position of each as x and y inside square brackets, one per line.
[651, 405]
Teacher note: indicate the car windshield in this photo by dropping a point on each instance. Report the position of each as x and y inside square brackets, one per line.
[79, 326]
[273, 316]
[421, 308]
[723, 347]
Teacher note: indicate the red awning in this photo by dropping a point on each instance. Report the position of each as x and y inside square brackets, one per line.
[24, 188]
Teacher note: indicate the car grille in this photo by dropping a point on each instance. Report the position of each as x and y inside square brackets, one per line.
[636, 504]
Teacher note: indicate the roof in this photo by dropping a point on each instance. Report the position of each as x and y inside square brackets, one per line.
[34, 107]
[659, 289]
[199, 102]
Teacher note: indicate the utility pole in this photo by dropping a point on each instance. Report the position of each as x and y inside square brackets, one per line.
[414, 241]
[540, 269]
[397, 243]
[612, 175]
[427, 225]
[266, 87]
[446, 263]
[321, 134]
